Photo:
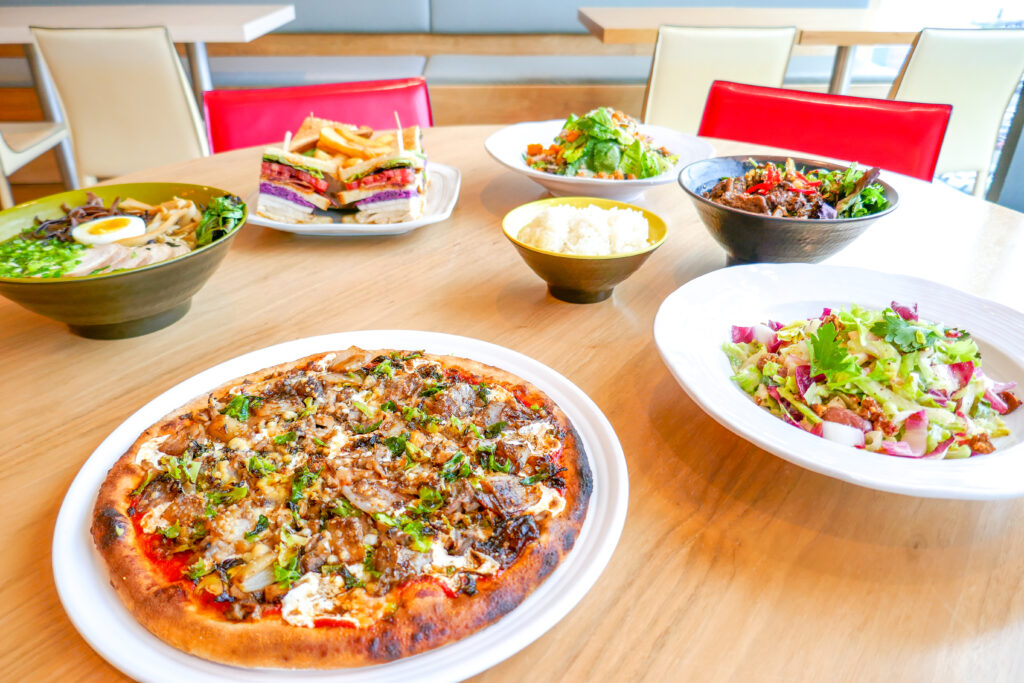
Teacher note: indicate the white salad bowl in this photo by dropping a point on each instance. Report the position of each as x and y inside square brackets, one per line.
[508, 146]
[694, 321]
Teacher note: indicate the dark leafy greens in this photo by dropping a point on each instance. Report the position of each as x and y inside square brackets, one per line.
[840, 184]
[221, 216]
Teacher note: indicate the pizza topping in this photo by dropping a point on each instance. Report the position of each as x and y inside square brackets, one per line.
[551, 501]
[316, 596]
[323, 489]
[148, 452]
[261, 525]
[509, 538]
[153, 520]
[239, 406]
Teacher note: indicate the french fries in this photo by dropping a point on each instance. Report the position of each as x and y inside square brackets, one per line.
[332, 141]
[347, 144]
[347, 141]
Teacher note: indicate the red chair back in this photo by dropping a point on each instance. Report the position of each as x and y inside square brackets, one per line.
[243, 118]
[904, 137]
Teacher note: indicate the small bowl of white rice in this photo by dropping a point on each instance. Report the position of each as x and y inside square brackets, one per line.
[583, 246]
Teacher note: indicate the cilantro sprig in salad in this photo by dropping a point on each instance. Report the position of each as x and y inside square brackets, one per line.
[886, 381]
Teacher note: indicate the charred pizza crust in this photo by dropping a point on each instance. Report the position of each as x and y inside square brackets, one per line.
[426, 616]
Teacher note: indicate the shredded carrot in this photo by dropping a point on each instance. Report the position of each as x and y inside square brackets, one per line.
[572, 135]
[534, 149]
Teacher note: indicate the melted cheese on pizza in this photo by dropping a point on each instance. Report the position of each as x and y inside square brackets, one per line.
[326, 489]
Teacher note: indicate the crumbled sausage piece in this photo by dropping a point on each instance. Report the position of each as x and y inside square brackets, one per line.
[979, 443]
[870, 410]
[831, 318]
[886, 427]
[1012, 402]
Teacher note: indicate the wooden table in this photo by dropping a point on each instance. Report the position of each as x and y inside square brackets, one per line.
[894, 24]
[733, 564]
[193, 25]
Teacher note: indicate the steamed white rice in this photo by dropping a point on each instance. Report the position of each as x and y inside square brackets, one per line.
[589, 231]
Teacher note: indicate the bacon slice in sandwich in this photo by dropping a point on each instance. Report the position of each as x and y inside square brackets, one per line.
[292, 186]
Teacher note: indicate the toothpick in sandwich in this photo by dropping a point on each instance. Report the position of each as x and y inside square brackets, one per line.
[399, 136]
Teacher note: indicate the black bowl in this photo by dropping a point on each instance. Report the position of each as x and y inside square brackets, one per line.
[756, 238]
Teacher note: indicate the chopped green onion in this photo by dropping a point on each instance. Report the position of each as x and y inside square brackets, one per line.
[240, 406]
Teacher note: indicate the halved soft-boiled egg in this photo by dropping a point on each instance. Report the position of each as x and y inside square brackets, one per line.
[109, 229]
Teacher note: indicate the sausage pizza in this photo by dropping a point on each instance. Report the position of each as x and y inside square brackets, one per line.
[345, 509]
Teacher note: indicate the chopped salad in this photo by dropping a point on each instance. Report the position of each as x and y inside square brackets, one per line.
[885, 381]
[603, 143]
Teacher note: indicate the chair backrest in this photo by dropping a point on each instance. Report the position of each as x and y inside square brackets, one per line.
[976, 71]
[127, 101]
[243, 118]
[687, 59]
[904, 137]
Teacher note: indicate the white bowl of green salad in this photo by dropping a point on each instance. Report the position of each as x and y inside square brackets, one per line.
[602, 153]
[886, 381]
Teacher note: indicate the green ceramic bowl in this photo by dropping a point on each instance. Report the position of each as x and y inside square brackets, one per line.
[119, 304]
[581, 279]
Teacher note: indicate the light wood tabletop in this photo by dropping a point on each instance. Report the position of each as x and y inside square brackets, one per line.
[894, 24]
[733, 564]
[186, 23]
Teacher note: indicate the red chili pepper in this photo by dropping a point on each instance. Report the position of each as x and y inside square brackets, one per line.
[814, 183]
[803, 190]
[760, 187]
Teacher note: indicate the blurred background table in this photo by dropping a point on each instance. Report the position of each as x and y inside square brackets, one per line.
[895, 24]
[193, 25]
[733, 564]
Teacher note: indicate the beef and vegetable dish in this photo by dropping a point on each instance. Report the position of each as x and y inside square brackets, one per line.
[783, 191]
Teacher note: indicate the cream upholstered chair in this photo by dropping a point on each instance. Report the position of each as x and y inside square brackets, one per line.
[20, 143]
[125, 97]
[687, 59]
[975, 70]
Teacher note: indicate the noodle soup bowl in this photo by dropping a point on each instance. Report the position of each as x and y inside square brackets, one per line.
[575, 278]
[124, 303]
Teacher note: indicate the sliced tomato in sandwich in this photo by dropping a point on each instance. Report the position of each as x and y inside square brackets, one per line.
[391, 176]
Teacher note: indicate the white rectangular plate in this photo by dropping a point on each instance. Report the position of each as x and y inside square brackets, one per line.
[442, 194]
